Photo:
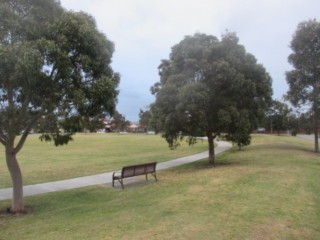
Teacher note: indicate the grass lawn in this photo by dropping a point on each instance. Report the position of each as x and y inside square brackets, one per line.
[270, 190]
[90, 154]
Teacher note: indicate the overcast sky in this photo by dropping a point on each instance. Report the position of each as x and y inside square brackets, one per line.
[144, 31]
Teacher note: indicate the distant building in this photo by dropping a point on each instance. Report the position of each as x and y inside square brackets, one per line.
[135, 127]
[107, 124]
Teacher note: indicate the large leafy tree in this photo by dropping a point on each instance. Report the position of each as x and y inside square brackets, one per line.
[208, 87]
[304, 79]
[54, 69]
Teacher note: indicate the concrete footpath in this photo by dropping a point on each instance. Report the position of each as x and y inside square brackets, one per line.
[309, 137]
[104, 178]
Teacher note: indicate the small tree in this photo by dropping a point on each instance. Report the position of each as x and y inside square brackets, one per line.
[145, 119]
[54, 70]
[278, 116]
[294, 123]
[204, 83]
[304, 79]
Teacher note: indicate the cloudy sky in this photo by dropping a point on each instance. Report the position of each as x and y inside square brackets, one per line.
[145, 30]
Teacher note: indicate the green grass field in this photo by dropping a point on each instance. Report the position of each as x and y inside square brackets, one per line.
[90, 154]
[270, 190]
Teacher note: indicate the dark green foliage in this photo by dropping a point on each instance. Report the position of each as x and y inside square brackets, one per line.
[145, 120]
[277, 118]
[57, 138]
[209, 87]
[238, 127]
[304, 79]
[53, 62]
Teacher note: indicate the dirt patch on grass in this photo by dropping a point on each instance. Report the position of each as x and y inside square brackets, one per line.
[273, 229]
[6, 212]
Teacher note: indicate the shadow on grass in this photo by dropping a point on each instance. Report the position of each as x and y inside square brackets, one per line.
[205, 165]
[5, 213]
[282, 146]
[134, 182]
[234, 157]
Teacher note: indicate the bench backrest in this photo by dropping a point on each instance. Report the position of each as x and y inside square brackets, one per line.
[141, 169]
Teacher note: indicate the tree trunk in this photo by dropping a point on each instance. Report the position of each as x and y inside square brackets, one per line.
[211, 148]
[316, 130]
[17, 184]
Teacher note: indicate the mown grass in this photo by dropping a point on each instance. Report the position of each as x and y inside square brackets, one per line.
[270, 190]
[90, 154]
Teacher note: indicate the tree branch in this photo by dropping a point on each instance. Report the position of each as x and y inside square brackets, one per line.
[26, 132]
[3, 138]
[52, 72]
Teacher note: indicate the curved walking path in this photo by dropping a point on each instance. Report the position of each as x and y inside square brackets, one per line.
[104, 178]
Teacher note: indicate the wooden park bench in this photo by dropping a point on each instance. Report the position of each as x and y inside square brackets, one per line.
[135, 170]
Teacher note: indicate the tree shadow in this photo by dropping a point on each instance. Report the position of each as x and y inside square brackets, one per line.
[282, 146]
[134, 182]
[6, 213]
[231, 160]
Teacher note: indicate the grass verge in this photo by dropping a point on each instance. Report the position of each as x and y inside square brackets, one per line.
[270, 190]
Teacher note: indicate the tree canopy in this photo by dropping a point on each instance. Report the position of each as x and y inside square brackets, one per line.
[208, 87]
[54, 67]
[304, 79]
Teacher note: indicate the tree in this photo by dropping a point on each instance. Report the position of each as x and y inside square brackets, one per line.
[278, 116]
[119, 122]
[208, 87]
[304, 79]
[54, 68]
[145, 119]
[294, 122]
[305, 122]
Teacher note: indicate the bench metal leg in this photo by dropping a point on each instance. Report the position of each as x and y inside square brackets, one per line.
[120, 181]
[153, 174]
